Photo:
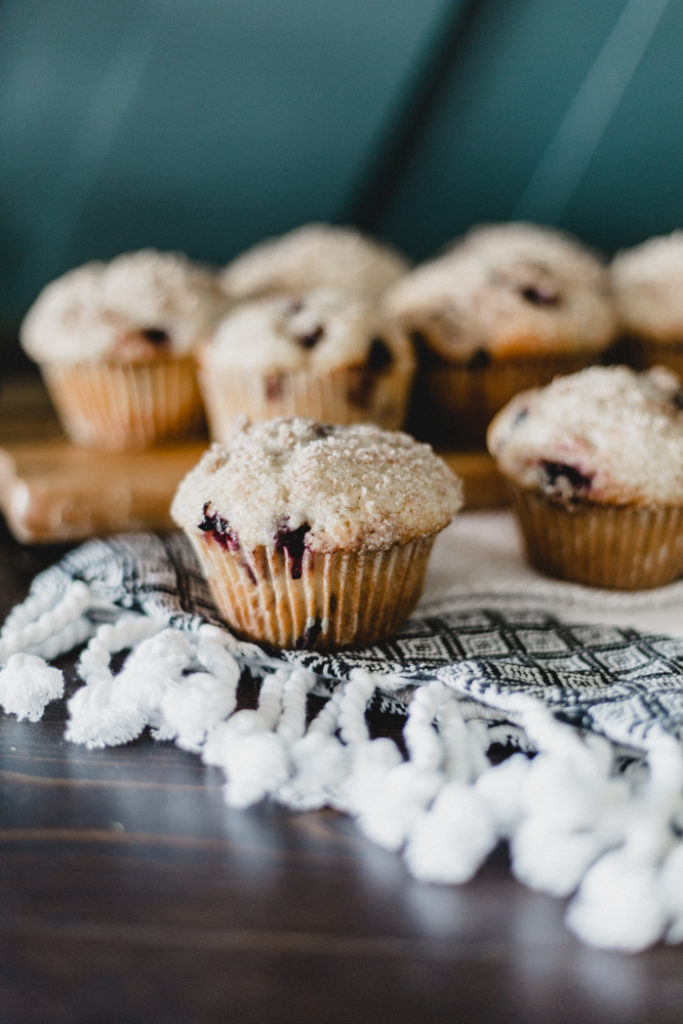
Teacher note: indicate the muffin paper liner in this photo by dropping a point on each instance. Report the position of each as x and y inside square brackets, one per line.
[340, 599]
[620, 547]
[349, 395]
[120, 406]
[456, 402]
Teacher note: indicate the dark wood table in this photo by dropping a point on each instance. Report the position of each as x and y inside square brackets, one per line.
[130, 893]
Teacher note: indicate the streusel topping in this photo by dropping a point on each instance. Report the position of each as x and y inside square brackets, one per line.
[648, 288]
[607, 435]
[321, 329]
[508, 289]
[340, 488]
[315, 254]
[137, 306]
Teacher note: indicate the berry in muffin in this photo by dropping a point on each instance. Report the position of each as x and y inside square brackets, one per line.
[594, 464]
[315, 535]
[321, 354]
[508, 306]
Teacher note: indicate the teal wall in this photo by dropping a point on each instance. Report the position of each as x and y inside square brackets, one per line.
[204, 125]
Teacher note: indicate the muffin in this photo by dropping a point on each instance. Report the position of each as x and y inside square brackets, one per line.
[648, 291]
[321, 354]
[115, 343]
[315, 536]
[312, 255]
[594, 464]
[507, 307]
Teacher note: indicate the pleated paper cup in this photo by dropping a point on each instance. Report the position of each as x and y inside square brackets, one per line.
[325, 601]
[120, 406]
[618, 547]
[454, 402]
[353, 394]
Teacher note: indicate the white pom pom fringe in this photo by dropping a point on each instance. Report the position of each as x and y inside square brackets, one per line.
[576, 823]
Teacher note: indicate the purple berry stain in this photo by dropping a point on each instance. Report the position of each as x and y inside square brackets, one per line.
[379, 359]
[214, 524]
[311, 338]
[479, 359]
[309, 637]
[293, 542]
[323, 429]
[563, 481]
[379, 355]
[155, 335]
[538, 295]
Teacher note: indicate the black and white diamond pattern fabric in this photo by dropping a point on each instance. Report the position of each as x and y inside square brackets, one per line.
[616, 681]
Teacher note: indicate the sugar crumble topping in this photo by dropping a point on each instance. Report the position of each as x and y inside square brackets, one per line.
[133, 308]
[333, 487]
[607, 435]
[321, 329]
[648, 288]
[508, 289]
[311, 255]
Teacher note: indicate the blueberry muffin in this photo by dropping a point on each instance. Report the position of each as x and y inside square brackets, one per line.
[321, 354]
[594, 464]
[648, 288]
[315, 536]
[115, 343]
[507, 307]
[312, 255]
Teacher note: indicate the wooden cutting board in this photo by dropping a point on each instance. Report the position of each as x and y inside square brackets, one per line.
[53, 491]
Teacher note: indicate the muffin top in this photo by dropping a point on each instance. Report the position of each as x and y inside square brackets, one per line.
[606, 435]
[321, 329]
[648, 288]
[137, 307]
[336, 487]
[508, 290]
[315, 254]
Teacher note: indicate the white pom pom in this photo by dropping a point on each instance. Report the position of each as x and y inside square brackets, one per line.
[450, 841]
[155, 665]
[671, 887]
[27, 684]
[390, 806]
[619, 905]
[253, 758]
[192, 708]
[213, 750]
[256, 765]
[370, 762]
[97, 720]
[319, 765]
[500, 787]
[214, 656]
[558, 790]
[222, 735]
[549, 859]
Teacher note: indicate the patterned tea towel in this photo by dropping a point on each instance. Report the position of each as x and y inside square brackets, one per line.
[537, 712]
